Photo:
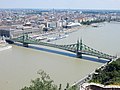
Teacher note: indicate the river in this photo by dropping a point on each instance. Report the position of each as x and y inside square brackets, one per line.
[19, 65]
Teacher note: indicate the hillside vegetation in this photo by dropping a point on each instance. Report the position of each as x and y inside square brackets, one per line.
[109, 75]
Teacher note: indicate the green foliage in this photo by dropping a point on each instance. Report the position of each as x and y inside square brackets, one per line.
[110, 75]
[45, 83]
[91, 22]
[73, 88]
[42, 83]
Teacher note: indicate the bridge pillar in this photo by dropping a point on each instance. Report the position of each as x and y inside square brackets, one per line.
[79, 49]
[79, 55]
[25, 44]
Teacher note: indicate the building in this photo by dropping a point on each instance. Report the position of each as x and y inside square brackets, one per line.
[14, 31]
[6, 30]
[71, 25]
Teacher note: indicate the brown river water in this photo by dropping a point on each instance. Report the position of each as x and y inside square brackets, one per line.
[19, 65]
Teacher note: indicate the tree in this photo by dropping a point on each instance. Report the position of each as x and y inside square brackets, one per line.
[45, 83]
[109, 75]
[42, 83]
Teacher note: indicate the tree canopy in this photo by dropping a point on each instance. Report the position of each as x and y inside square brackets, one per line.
[44, 82]
[110, 74]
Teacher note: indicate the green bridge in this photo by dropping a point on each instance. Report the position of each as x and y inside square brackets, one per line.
[79, 48]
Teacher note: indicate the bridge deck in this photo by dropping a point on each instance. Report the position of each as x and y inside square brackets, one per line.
[79, 47]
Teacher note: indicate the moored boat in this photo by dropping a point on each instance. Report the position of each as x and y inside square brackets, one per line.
[94, 25]
[57, 38]
[4, 45]
[9, 41]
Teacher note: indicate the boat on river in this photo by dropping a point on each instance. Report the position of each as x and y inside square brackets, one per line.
[95, 25]
[57, 38]
[4, 45]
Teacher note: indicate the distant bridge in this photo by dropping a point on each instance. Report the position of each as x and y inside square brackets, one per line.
[79, 48]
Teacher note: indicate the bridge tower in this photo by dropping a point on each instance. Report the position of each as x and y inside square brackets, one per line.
[25, 37]
[79, 49]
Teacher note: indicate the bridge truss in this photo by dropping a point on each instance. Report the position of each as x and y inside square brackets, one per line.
[79, 48]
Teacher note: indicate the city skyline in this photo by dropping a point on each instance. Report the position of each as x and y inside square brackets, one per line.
[62, 4]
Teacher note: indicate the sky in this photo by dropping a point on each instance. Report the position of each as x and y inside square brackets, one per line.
[61, 4]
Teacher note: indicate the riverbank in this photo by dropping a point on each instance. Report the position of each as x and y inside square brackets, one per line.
[110, 77]
[81, 82]
[55, 34]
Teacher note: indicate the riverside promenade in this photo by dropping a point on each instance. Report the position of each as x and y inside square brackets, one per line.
[83, 84]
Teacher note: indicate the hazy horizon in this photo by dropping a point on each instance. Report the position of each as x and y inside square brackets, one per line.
[61, 4]
[61, 9]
